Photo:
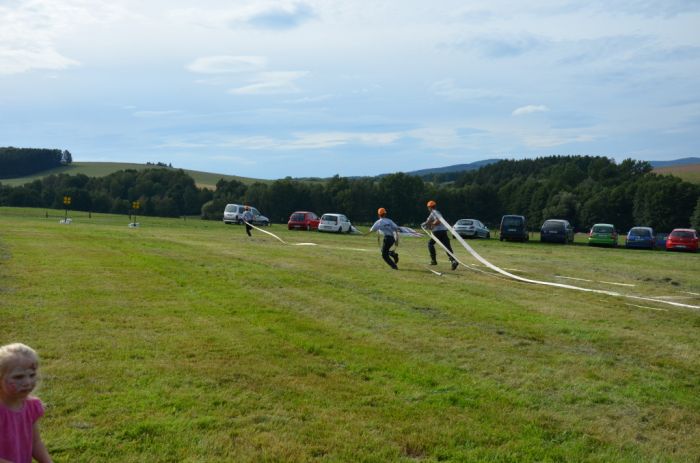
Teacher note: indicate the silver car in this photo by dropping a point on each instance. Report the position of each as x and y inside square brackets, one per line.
[471, 228]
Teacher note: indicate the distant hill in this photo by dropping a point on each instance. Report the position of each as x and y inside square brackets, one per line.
[454, 168]
[102, 169]
[675, 162]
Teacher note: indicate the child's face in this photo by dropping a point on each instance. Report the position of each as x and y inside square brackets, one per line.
[20, 379]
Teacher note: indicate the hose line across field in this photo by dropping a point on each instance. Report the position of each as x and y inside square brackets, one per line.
[504, 272]
[539, 282]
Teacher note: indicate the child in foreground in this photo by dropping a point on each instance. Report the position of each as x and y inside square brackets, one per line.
[19, 411]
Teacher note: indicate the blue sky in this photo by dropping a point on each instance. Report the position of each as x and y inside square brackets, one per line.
[269, 89]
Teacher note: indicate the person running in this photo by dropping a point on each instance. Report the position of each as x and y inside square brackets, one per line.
[440, 232]
[248, 219]
[390, 230]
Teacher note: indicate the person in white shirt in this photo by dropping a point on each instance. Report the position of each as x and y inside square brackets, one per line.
[390, 230]
[248, 219]
[440, 231]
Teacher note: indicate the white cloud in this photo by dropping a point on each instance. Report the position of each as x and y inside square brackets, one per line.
[260, 14]
[226, 64]
[149, 114]
[271, 83]
[551, 140]
[447, 88]
[529, 109]
[30, 31]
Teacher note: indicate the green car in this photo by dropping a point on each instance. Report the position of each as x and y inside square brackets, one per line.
[602, 234]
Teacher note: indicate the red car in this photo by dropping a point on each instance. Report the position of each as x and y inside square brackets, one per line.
[303, 220]
[682, 239]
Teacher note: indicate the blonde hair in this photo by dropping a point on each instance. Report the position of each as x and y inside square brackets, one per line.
[10, 352]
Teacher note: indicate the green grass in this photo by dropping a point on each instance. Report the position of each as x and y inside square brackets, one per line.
[187, 341]
[689, 172]
[102, 169]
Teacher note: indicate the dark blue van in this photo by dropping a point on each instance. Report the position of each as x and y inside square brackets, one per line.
[514, 228]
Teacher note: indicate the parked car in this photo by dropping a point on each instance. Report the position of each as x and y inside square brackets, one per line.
[337, 223]
[303, 220]
[471, 228]
[602, 234]
[557, 231]
[682, 239]
[640, 237]
[513, 227]
[233, 213]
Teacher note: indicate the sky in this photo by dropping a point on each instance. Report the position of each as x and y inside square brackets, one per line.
[314, 88]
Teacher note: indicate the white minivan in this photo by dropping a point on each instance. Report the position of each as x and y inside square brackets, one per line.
[233, 213]
[336, 223]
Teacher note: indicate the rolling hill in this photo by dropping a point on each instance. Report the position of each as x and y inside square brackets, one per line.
[101, 169]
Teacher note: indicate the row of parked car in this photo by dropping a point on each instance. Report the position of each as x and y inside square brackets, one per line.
[512, 227]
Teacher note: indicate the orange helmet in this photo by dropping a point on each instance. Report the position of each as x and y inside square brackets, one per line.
[431, 203]
[381, 212]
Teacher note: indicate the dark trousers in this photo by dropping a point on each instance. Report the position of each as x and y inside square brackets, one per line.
[248, 228]
[444, 239]
[386, 253]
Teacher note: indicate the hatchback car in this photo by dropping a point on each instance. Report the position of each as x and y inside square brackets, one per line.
[513, 227]
[640, 237]
[682, 239]
[303, 220]
[337, 223]
[471, 228]
[602, 234]
[557, 231]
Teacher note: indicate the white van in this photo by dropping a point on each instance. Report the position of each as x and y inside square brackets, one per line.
[233, 213]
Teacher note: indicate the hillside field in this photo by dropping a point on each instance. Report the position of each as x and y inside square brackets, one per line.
[102, 169]
[185, 340]
[689, 173]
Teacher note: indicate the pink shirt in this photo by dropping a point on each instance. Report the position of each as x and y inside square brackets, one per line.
[16, 430]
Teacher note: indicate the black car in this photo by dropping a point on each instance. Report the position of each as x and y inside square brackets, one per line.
[513, 227]
[557, 231]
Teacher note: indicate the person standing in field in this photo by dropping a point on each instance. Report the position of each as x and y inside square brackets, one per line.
[248, 219]
[440, 231]
[390, 230]
[20, 440]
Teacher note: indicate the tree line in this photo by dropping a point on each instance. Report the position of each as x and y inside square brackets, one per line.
[581, 189]
[20, 162]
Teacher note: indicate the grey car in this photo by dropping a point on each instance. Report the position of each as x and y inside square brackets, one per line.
[471, 228]
[557, 231]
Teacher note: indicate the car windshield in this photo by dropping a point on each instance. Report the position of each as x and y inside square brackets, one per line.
[465, 222]
[682, 234]
[602, 229]
[330, 218]
[297, 218]
[640, 232]
[512, 221]
[553, 226]
[231, 208]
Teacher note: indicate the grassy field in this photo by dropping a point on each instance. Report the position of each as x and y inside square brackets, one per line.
[689, 173]
[102, 169]
[187, 341]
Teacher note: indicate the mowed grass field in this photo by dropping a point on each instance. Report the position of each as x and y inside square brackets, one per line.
[186, 341]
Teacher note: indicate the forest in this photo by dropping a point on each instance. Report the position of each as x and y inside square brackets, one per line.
[581, 189]
[20, 162]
